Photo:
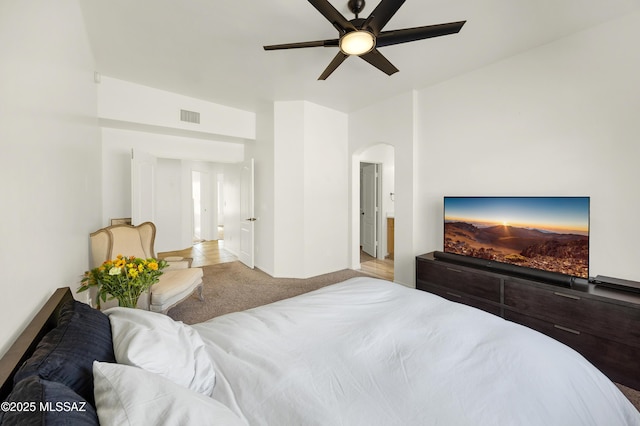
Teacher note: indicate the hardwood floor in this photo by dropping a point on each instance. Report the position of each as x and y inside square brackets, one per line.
[213, 252]
[376, 267]
[204, 253]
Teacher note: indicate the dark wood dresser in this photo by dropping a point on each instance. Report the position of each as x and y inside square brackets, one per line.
[600, 323]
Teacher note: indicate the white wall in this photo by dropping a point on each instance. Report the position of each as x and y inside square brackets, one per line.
[310, 190]
[171, 200]
[326, 191]
[289, 189]
[50, 156]
[125, 101]
[558, 120]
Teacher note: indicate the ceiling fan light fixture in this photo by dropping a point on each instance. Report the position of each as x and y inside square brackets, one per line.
[361, 37]
[357, 42]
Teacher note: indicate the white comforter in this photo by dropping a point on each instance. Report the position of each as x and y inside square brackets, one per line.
[370, 352]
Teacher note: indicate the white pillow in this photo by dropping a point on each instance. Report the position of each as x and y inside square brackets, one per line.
[158, 344]
[131, 396]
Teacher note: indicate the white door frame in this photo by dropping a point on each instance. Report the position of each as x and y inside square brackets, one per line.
[205, 195]
[143, 184]
[247, 215]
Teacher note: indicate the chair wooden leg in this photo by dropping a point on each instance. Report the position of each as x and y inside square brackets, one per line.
[200, 296]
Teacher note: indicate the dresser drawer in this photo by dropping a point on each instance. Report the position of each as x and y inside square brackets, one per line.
[575, 310]
[617, 360]
[460, 297]
[460, 280]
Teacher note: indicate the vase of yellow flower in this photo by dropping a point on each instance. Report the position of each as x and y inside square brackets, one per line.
[123, 278]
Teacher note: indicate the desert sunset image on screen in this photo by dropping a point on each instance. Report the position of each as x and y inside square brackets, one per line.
[548, 233]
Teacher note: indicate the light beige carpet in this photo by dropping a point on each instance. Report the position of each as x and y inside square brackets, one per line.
[231, 287]
[632, 394]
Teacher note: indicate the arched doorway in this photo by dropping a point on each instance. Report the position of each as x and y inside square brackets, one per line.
[374, 206]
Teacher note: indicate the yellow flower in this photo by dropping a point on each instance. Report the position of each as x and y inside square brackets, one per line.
[123, 278]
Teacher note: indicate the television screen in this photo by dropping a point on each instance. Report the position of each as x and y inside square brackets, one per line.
[546, 233]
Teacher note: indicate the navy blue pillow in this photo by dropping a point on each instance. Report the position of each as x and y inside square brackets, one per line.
[67, 352]
[34, 401]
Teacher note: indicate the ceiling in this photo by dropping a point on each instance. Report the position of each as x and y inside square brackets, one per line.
[212, 49]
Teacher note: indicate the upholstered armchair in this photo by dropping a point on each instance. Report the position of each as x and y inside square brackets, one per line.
[178, 280]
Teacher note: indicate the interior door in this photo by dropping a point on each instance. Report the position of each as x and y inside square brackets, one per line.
[143, 179]
[196, 207]
[247, 218]
[368, 209]
[201, 200]
[205, 206]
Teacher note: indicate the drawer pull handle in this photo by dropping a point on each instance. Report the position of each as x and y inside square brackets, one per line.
[568, 296]
[454, 295]
[570, 330]
[453, 269]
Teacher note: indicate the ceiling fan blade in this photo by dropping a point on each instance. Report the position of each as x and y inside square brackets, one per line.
[383, 12]
[341, 23]
[388, 38]
[376, 59]
[318, 43]
[335, 63]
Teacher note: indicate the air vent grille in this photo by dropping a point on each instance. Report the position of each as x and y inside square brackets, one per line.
[189, 116]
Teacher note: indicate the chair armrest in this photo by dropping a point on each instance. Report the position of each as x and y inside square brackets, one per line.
[178, 262]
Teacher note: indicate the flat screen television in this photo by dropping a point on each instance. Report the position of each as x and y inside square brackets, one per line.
[537, 233]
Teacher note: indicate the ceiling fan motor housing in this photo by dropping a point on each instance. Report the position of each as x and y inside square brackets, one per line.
[356, 6]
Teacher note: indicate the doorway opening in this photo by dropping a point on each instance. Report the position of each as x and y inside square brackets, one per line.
[190, 209]
[220, 206]
[207, 218]
[376, 219]
[207, 205]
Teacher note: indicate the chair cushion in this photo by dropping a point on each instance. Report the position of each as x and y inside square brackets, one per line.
[174, 283]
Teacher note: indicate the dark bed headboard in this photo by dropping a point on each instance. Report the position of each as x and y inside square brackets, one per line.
[44, 321]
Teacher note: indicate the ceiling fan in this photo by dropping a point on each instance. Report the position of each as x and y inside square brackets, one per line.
[362, 37]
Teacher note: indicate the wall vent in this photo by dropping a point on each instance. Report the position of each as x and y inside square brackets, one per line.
[189, 116]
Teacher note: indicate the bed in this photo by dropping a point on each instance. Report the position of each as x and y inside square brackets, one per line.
[361, 352]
